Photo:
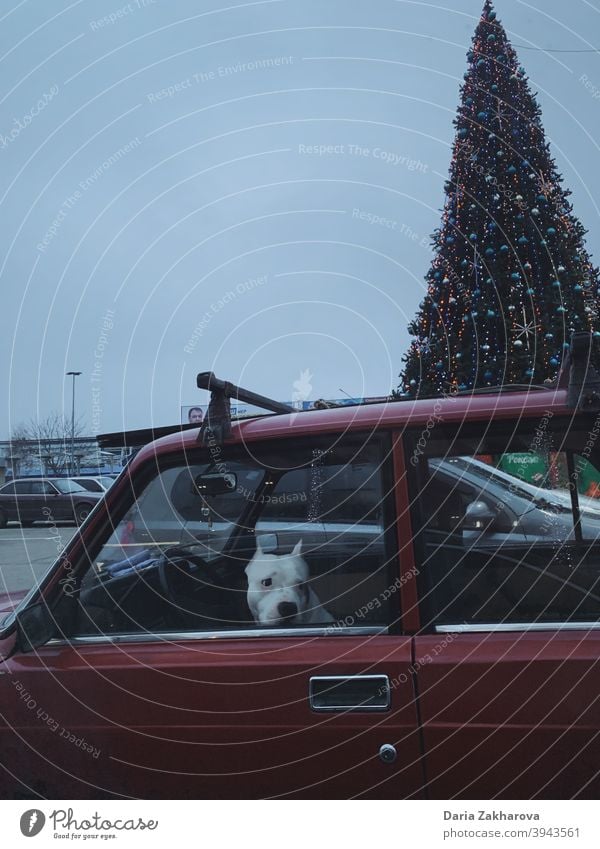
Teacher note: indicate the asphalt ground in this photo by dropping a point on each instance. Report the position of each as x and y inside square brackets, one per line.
[27, 553]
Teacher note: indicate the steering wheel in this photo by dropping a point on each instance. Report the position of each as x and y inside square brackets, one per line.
[179, 587]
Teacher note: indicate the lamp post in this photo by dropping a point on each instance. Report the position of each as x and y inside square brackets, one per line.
[73, 374]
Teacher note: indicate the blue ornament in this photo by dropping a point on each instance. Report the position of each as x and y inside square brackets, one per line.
[458, 355]
[469, 101]
[543, 243]
[488, 375]
[556, 284]
[463, 132]
[523, 240]
[530, 292]
[553, 361]
[491, 16]
[473, 237]
[439, 366]
[549, 336]
[491, 313]
[541, 198]
[492, 225]
[437, 274]
[449, 240]
[489, 252]
[525, 164]
[520, 217]
[511, 169]
[551, 231]
[504, 249]
[482, 116]
[481, 63]
[578, 288]
[413, 382]
[596, 333]
[464, 263]
[488, 280]
[485, 347]
[560, 309]
[494, 88]
[491, 37]
[566, 346]
[529, 372]
[476, 293]
[515, 276]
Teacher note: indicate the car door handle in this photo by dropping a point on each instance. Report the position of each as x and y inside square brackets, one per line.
[349, 692]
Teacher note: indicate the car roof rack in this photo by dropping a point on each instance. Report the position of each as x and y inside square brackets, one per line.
[506, 387]
[216, 427]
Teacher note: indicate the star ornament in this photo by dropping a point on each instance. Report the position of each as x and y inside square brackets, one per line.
[526, 331]
[502, 114]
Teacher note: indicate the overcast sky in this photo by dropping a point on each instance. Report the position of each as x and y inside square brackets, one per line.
[189, 185]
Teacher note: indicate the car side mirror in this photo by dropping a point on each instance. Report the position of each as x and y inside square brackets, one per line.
[479, 516]
[35, 626]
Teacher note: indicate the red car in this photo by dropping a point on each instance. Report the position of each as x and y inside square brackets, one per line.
[325, 604]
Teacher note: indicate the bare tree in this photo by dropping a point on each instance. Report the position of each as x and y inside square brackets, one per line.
[47, 441]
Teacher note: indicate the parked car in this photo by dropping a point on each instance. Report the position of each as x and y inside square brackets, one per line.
[98, 483]
[30, 500]
[441, 640]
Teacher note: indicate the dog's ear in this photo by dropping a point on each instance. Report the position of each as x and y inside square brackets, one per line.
[297, 548]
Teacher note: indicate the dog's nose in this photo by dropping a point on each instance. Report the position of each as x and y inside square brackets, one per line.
[287, 609]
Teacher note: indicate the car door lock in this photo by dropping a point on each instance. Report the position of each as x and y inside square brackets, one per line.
[388, 753]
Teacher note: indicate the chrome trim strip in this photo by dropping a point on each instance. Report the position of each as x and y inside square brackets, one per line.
[504, 627]
[176, 636]
[384, 682]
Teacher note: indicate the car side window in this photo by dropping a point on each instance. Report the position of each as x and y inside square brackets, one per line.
[22, 487]
[508, 528]
[8, 489]
[276, 538]
[41, 488]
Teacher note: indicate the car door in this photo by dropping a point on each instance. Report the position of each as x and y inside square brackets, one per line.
[231, 710]
[23, 507]
[8, 502]
[507, 660]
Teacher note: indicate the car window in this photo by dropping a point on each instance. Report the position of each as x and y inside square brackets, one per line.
[279, 538]
[41, 488]
[508, 529]
[22, 487]
[66, 486]
[7, 489]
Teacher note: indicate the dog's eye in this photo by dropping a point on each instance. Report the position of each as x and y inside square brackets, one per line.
[266, 582]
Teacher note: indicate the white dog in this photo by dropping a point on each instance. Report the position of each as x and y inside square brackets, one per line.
[278, 592]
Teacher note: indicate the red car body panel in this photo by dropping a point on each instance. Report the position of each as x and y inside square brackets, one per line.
[215, 719]
[489, 701]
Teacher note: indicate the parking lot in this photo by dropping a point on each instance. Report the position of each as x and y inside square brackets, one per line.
[26, 553]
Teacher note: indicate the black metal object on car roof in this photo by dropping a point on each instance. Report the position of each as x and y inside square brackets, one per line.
[583, 387]
[216, 427]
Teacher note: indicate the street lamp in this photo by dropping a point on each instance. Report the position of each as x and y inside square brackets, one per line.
[73, 374]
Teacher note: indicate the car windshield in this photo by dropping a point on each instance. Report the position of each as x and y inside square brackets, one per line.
[106, 481]
[68, 486]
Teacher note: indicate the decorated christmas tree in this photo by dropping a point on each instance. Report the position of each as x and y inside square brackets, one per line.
[511, 279]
